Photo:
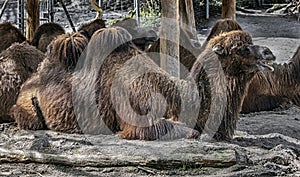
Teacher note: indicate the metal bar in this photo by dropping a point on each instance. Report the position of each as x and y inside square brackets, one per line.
[51, 10]
[207, 9]
[21, 7]
[3, 8]
[68, 15]
[100, 3]
[138, 12]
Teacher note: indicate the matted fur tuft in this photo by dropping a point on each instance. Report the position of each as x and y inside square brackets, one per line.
[107, 41]
[231, 40]
[66, 49]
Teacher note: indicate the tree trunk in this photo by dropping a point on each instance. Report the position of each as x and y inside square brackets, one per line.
[229, 9]
[187, 17]
[33, 17]
[170, 32]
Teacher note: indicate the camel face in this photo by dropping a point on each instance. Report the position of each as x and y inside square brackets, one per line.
[248, 58]
[259, 57]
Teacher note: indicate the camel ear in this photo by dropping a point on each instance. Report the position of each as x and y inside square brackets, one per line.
[218, 50]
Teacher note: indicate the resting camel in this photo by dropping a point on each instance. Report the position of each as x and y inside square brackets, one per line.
[270, 90]
[17, 63]
[121, 96]
[39, 92]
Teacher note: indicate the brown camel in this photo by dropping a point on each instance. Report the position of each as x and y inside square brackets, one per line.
[40, 97]
[270, 90]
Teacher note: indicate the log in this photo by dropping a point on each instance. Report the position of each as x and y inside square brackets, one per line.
[187, 17]
[215, 158]
[33, 17]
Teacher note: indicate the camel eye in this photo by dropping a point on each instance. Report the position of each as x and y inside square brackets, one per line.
[267, 52]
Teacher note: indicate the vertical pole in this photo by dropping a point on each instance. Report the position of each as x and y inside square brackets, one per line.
[187, 17]
[229, 9]
[170, 32]
[207, 9]
[68, 15]
[33, 17]
[21, 4]
[51, 10]
[137, 11]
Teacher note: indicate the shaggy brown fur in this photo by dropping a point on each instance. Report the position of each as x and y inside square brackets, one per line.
[56, 107]
[88, 29]
[45, 34]
[9, 35]
[16, 64]
[240, 60]
[119, 73]
[270, 90]
[45, 99]
[70, 45]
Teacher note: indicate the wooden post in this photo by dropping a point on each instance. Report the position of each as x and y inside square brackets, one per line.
[169, 32]
[229, 9]
[187, 17]
[33, 17]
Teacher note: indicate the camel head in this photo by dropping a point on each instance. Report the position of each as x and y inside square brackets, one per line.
[238, 54]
